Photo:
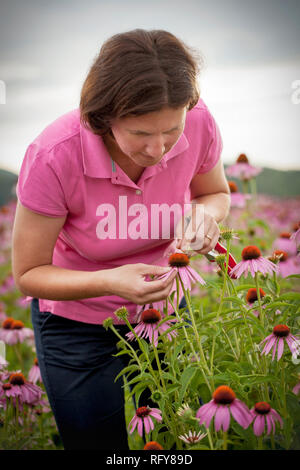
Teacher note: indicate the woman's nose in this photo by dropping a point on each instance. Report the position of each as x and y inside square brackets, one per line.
[156, 148]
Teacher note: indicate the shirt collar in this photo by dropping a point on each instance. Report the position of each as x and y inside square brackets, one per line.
[97, 161]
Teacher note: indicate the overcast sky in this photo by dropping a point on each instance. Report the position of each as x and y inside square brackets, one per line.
[251, 54]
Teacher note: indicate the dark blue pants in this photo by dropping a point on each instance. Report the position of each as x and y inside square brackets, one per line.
[78, 371]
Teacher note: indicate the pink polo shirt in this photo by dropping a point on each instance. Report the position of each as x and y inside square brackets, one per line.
[67, 170]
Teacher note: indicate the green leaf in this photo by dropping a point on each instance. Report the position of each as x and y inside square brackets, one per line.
[290, 296]
[235, 300]
[185, 379]
[129, 369]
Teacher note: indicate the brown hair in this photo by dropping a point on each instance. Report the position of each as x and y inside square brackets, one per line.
[135, 73]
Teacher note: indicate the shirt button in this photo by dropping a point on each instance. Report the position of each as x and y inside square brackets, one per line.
[138, 191]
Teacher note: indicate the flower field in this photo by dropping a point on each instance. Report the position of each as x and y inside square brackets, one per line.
[223, 371]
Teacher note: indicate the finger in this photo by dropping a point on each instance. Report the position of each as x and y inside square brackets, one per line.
[154, 270]
[157, 296]
[159, 284]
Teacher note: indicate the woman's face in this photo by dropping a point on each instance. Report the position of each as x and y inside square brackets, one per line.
[145, 139]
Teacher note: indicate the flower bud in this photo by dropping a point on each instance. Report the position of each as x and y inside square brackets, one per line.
[107, 323]
[121, 313]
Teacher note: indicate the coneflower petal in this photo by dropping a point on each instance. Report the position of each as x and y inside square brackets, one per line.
[270, 423]
[147, 424]
[133, 424]
[280, 348]
[222, 418]
[276, 416]
[140, 426]
[240, 414]
[208, 413]
[269, 344]
[274, 349]
[259, 425]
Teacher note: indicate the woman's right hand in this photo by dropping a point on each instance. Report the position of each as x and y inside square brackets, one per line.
[129, 282]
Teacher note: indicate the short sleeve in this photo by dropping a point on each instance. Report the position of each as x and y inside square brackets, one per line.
[39, 187]
[214, 147]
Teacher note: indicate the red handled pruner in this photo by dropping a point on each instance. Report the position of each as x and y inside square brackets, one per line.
[220, 249]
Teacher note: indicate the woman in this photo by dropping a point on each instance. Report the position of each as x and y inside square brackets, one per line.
[86, 234]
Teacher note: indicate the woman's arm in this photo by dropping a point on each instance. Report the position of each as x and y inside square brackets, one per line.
[211, 190]
[34, 238]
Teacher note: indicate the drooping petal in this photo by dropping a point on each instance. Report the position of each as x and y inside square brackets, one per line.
[222, 418]
[140, 426]
[259, 425]
[133, 424]
[274, 349]
[240, 413]
[269, 423]
[280, 348]
[207, 414]
[276, 416]
[269, 345]
[147, 425]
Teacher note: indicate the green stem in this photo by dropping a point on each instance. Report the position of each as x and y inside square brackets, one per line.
[224, 440]
[127, 344]
[262, 317]
[18, 354]
[194, 326]
[144, 352]
[191, 346]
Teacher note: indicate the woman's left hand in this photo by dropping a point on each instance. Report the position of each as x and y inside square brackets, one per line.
[201, 239]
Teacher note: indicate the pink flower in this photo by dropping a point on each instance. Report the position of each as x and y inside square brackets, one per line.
[280, 334]
[13, 331]
[296, 389]
[8, 285]
[254, 262]
[242, 169]
[192, 437]
[148, 327]
[285, 243]
[237, 199]
[18, 386]
[179, 262]
[263, 414]
[296, 236]
[222, 404]
[34, 375]
[142, 418]
[287, 264]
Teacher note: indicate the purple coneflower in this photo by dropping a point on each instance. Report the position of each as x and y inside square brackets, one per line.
[280, 334]
[285, 243]
[296, 236]
[242, 169]
[13, 331]
[287, 264]
[254, 262]
[180, 262]
[222, 404]
[17, 386]
[153, 445]
[237, 199]
[252, 297]
[142, 418]
[34, 375]
[192, 437]
[263, 414]
[148, 326]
